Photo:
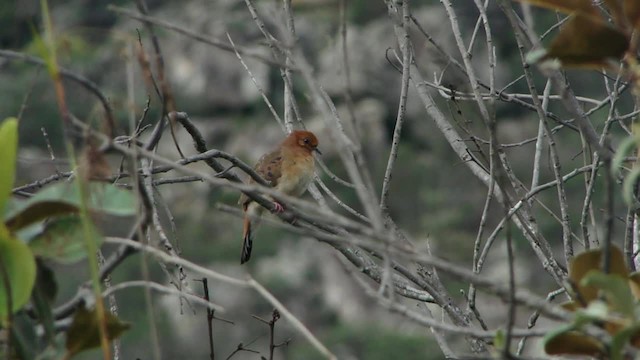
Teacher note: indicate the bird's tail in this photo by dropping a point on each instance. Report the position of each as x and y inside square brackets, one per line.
[247, 240]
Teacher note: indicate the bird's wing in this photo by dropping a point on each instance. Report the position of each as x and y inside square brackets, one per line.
[270, 168]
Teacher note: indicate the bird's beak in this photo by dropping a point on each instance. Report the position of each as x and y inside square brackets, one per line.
[318, 151]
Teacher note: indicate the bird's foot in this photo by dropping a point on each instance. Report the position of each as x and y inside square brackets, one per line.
[278, 208]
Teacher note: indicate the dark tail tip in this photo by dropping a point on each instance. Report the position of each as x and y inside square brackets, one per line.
[246, 249]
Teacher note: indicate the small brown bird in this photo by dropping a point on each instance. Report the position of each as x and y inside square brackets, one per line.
[289, 169]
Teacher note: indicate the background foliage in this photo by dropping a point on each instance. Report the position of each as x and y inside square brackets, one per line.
[434, 197]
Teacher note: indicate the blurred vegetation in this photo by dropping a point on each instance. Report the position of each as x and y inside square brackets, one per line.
[445, 208]
[371, 343]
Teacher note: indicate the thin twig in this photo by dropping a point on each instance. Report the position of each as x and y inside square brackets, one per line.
[346, 68]
[405, 46]
[210, 315]
[249, 282]
[256, 84]
[534, 318]
[191, 34]
[163, 289]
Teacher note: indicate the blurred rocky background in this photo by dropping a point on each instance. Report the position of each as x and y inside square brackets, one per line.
[434, 198]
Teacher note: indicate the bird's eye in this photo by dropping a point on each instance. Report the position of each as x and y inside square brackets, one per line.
[306, 140]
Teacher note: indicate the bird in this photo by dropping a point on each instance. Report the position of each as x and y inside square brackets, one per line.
[289, 169]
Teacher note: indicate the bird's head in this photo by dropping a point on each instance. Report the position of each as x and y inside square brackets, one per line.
[305, 139]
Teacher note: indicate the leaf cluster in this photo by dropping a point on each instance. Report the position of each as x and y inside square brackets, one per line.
[605, 300]
[588, 39]
[49, 227]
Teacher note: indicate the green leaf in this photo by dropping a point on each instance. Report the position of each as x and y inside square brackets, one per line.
[84, 332]
[55, 350]
[499, 340]
[567, 340]
[23, 336]
[46, 282]
[8, 149]
[31, 213]
[626, 146]
[28, 233]
[586, 41]
[102, 197]
[19, 267]
[42, 298]
[628, 184]
[570, 342]
[616, 290]
[595, 310]
[634, 283]
[47, 45]
[621, 338]
[63, 240]
[589, 260]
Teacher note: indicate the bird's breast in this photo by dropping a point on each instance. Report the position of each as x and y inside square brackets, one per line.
[297, 174]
